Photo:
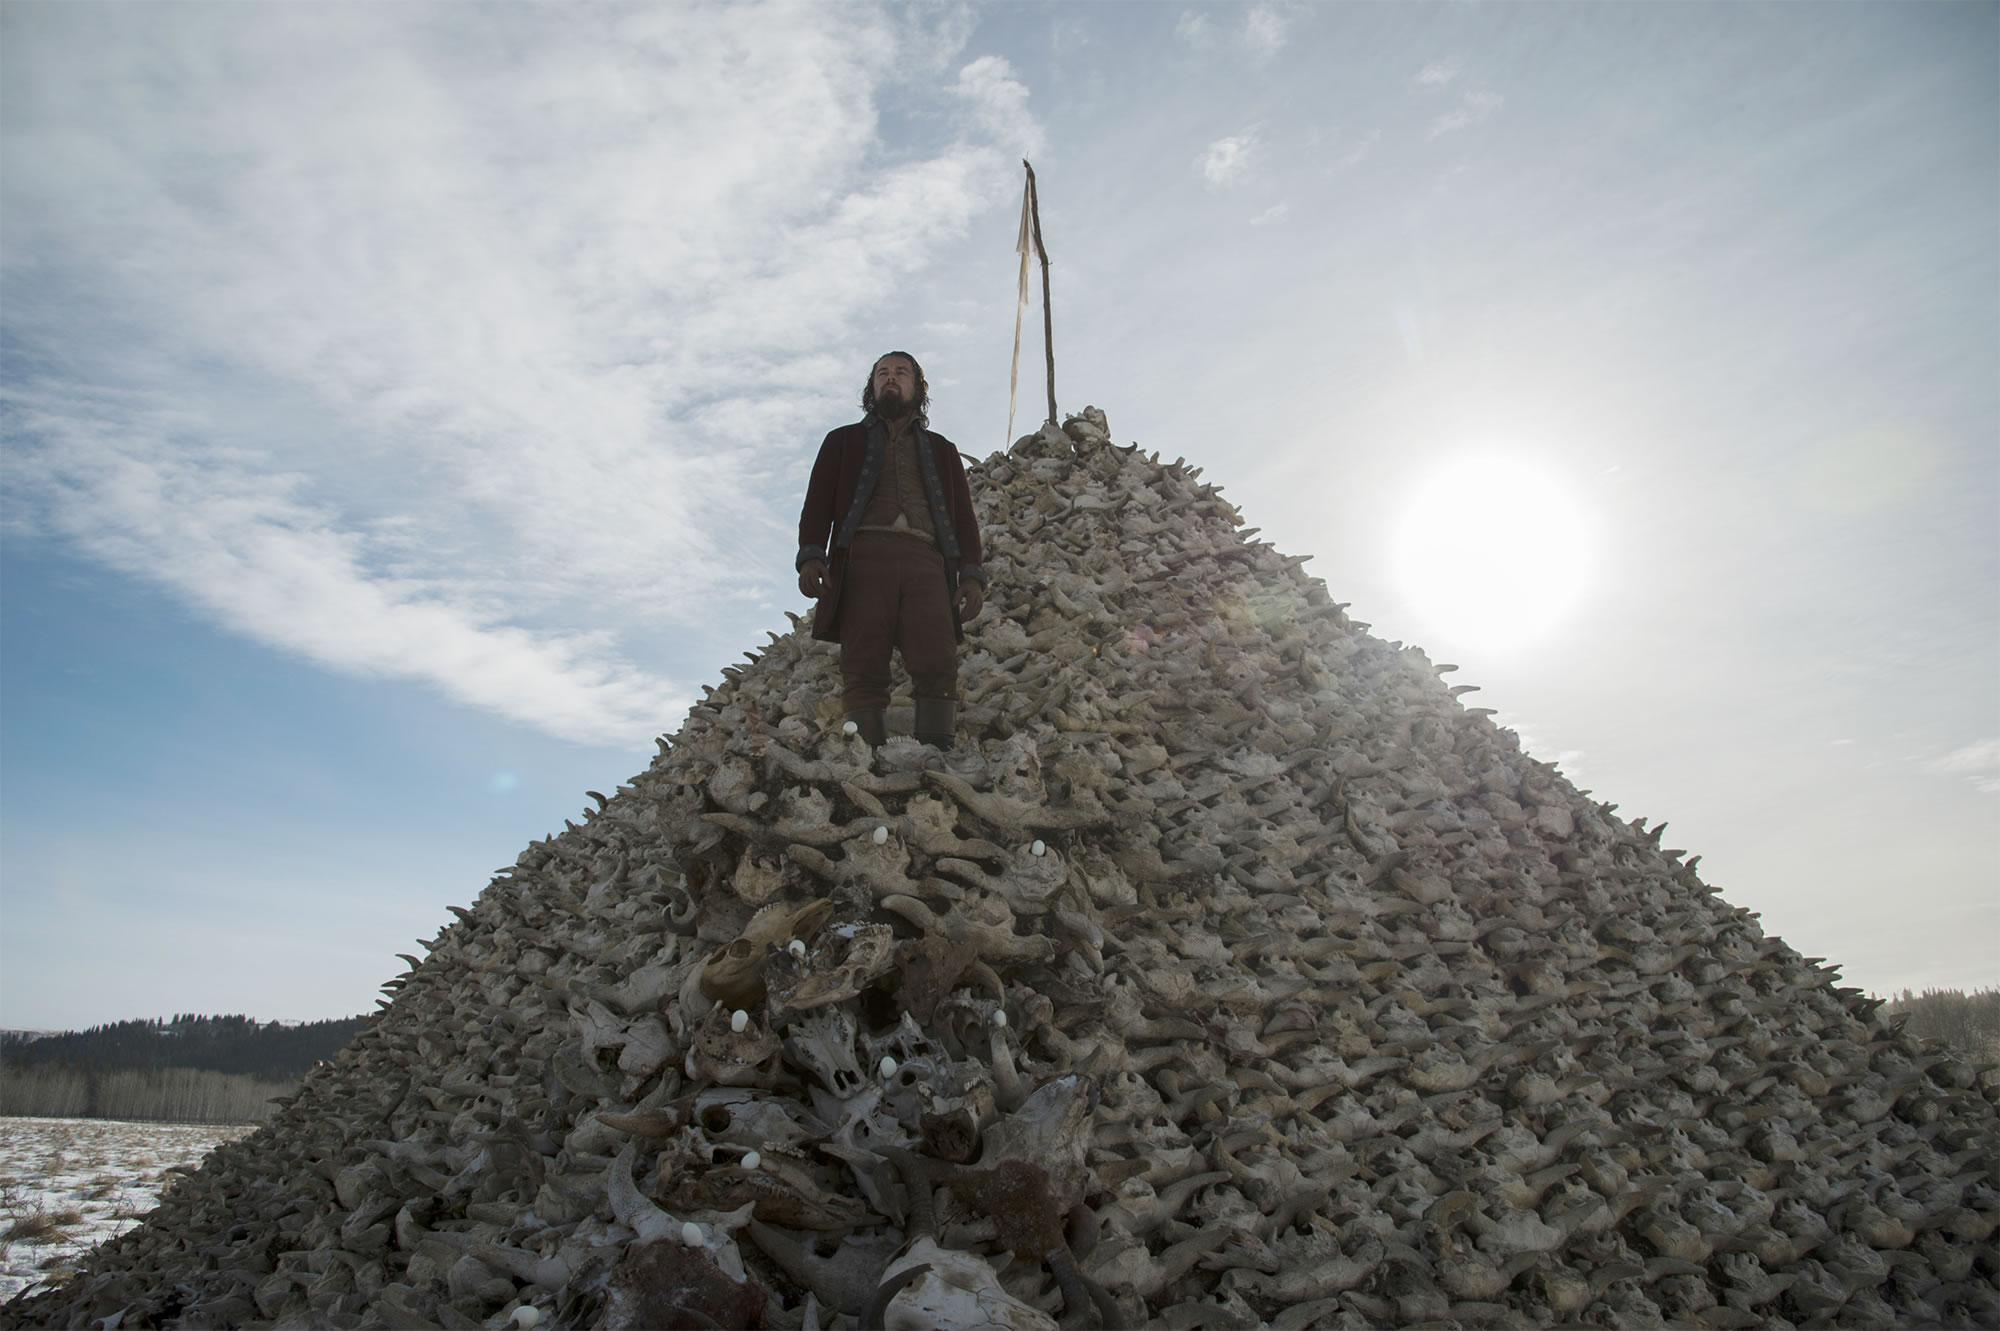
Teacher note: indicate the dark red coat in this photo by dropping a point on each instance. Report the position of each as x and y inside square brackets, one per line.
[834, 500]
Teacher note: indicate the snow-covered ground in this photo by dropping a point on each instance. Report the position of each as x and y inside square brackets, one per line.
[68, 1184]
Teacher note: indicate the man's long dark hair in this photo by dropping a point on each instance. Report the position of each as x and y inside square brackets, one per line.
[919, 412]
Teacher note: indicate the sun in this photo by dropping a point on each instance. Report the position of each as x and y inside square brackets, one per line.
[1493, 551]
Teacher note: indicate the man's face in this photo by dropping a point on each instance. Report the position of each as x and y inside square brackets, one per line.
[895, 385]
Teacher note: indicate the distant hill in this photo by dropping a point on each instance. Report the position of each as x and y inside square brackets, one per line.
[238, 1045]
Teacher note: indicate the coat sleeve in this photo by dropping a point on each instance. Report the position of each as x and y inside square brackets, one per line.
[971, 552]
[816, 516]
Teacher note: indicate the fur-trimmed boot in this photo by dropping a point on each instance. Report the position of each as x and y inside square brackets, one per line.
[936, 722]
[873, 725]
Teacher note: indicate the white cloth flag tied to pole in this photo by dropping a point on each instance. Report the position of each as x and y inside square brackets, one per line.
[1026, 246]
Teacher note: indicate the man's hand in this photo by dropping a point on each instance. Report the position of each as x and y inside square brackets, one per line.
[812, 579]
[971, 596]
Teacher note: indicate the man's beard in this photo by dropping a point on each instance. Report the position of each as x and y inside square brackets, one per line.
[893, 406]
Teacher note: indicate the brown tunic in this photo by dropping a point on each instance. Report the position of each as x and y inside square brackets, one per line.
[898, 504]
[837, 474]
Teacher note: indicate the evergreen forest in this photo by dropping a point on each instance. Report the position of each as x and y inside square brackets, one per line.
[185, 1068]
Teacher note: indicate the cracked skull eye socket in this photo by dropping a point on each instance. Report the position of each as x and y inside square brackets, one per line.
[715, 1119]
[908, 1077]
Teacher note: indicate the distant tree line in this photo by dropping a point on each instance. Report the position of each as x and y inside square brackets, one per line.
[244, 1046]
[173, 1095]
[1971, 1022]
[187, 1068]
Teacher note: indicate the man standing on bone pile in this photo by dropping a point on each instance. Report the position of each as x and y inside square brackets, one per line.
[904, 572]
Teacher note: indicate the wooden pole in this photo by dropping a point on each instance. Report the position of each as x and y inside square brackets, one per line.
[1048, 321]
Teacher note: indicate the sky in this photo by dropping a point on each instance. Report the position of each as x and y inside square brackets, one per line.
[405, 410]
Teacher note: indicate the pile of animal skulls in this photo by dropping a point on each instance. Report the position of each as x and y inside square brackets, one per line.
[1229, 972]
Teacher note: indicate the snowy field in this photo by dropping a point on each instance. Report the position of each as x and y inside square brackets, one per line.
[68, 1184]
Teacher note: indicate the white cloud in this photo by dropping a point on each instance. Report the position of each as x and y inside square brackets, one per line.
[1979, 762]
[1353, 156]
[1476, 107]
[1277, 212]
[1438, 73]
[1265, 30]
[1195, 29]
[459, 360]
[1226, 161]
[240, 547]
[999, 104]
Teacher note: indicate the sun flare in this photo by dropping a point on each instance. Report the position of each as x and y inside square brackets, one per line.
[1493, 551]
